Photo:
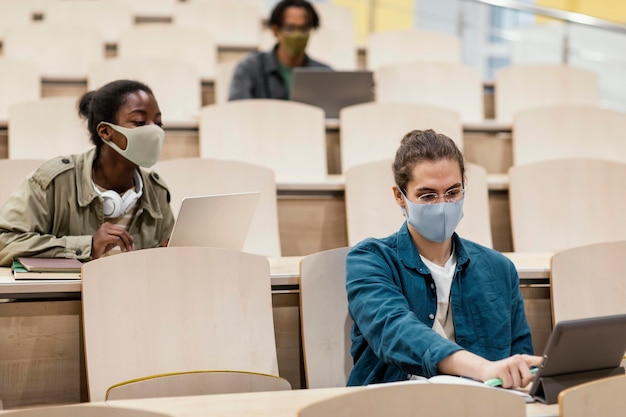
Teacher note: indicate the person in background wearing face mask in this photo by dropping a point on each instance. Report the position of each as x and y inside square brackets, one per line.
[425, 301]
[268, 74]
[100, 202]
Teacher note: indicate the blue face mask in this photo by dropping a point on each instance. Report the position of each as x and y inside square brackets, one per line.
[436, 222]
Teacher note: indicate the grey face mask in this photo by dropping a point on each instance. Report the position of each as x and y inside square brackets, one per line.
[143, 143]
[436, 222]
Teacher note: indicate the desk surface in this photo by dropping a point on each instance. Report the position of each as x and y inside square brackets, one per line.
[533, 268]
[275, 404]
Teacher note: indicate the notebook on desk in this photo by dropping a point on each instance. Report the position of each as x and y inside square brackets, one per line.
[579, 351]
[220, 220]
[331, 90]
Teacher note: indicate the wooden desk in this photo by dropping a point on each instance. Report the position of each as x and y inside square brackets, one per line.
[41, 351]
[275, 404]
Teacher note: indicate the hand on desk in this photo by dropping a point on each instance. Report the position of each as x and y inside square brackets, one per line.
[107, 237]
[514, 372]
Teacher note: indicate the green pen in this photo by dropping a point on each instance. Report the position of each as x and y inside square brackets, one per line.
[497, 382]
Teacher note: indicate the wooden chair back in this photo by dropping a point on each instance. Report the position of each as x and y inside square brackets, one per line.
[585, 281]
[19, 81]
[16, 13]
[521, 87]
[397, 46]
[176, 85]
[410, 399]
[371, 210]
[326, 324]
[223, 77]
[13, 172]
[187, 177]
[441, 84]
[61, 51]
[285, 136]
[564, 203]
[373, 131]
[602, 397]
[83, 410]
[45, 128]
[568, 131]
[196, 383]
[176, 309]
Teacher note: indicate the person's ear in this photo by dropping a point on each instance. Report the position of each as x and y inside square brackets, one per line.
[397, 195]
[104, 131]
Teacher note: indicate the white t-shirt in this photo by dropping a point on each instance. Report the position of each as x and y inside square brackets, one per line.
[443, 275]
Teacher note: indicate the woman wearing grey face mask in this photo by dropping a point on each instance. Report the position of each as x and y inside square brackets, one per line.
[423, 300]
[103, 201]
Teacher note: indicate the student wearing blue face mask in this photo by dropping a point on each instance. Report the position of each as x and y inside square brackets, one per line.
[100, 202]
[425, 301]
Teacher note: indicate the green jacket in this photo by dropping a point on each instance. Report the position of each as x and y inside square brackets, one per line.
[56, 211]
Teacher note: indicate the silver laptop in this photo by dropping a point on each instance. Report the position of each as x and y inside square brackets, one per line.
[331, 90]
[220, 221]
[579, 351]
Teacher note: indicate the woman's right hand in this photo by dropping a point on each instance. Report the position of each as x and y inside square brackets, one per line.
[109, 236]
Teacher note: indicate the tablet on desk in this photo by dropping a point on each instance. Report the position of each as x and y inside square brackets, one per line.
[580, 351]
[331, 90]
[220, 221]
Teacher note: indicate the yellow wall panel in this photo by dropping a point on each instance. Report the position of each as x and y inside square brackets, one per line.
[388, 15]
[614, 10]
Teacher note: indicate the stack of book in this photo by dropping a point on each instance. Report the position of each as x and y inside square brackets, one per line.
[46, 268]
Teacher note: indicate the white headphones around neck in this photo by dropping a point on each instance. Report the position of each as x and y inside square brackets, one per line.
[115, 205]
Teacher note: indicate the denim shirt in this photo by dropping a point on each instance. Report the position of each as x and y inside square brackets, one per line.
[258, 76]
[392, 299]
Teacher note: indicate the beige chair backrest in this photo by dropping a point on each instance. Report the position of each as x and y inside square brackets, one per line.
[176, 85]
[522, 87]
[334, 48]
[46, 128]
[19, 81]
[585, 281]
[193, 308]
[189, 177]
[16, 13]
[568, 131]
[229, 23]
[564, 203]
[196, 383]
[602, 397]
[410, 399]
[223, 77]
[13, 172]
[324, 317]
[285, 136]
[337, 17]
[83, 410]
[397, 46]
[166, 41]
[373, 131]
[61, 51]
[150, 9]
[110, 18]
[452, 86]
[371, 210]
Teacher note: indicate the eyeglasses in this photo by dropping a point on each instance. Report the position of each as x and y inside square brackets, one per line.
[294, 28]
[451, 196]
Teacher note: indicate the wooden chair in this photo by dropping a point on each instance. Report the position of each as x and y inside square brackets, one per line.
[564, 203]
[169, 42]
[371, 210]
[522, 87]
[442, 84]
[372, 131]
[13, 172]
[285, 136]
[324, 317]
[192, 308]
[410, 399]
[150, 9]
[398, 46]
[110, 18]
[83, 410]
[195, 176]
[568, 131]
[229, 23]
[176, 85]
[334, 47]
[46, 128]
[584, 281]
[61, 51]
[196, 383]
[223, 77]
[602, 397]
[16, 13]
[19, 81]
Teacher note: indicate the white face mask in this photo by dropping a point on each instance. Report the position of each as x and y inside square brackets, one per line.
[143, 143]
